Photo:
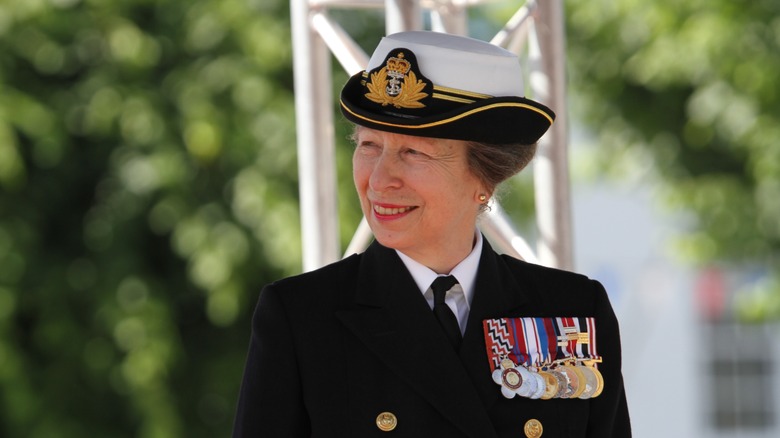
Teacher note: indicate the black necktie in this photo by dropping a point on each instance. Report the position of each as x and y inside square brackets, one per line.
[443, 312]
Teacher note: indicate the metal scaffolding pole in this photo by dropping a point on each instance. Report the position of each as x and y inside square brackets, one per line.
[537, 25]
[402, 15]
[316, 143]
[551, 165]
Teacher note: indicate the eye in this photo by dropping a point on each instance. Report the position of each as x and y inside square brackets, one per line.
[368, 147]
[414, 152]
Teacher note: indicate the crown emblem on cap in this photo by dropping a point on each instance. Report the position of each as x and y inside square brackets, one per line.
[398, 67]
[396, 84]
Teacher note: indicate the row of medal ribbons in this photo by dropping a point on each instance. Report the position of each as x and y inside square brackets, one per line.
[544, 358]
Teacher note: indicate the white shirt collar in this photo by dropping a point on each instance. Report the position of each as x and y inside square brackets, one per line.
[465, 271]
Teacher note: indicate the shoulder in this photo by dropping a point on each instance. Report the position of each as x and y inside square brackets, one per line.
[524, 272]
[341, 268]
[555, 288]
[543, 275]
[333, 279]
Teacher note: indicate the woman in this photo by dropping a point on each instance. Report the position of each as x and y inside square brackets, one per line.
[372, 344]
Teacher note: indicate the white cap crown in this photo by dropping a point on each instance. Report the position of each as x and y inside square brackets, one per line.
[457, 62]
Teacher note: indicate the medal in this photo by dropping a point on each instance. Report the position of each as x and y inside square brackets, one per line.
[520, 351]
[581, 381]
[550, 385]
[548, 351]
[563, 382]
[529, 383]
[541, 386]
[544, 358]
[570, 344]
[591, 365]
[535, 348]
[509, 377]
[589, 358]
[591, 382]
[572, 381]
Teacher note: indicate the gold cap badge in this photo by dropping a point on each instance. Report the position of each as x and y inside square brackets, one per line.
[396, 84]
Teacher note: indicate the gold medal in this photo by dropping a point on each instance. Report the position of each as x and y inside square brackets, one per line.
[599, 379]
[581, 381]
[551, 385]
[591, 382]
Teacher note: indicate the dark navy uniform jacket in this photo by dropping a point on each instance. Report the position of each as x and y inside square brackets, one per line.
[333, 348]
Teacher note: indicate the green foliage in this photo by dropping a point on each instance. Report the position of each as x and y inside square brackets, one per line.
[148, 182]
[692, 86]
[147, 191]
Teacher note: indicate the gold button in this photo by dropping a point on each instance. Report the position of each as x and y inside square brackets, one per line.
[533, 428]
[386, 421]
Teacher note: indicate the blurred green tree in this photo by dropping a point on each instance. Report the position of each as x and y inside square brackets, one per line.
[147, 191]
[148, 182]
[691, 87]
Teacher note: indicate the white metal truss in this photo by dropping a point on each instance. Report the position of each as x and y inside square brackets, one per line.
[537, 27]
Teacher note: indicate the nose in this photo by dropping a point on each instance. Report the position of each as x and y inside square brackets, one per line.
[385, 174]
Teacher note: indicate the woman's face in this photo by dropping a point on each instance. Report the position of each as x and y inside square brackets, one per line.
[418, 195]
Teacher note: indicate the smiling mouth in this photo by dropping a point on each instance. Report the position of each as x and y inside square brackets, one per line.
[391, 211]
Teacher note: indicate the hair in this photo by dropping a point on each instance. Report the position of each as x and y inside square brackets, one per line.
[493, 164]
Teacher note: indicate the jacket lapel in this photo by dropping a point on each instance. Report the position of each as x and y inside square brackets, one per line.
[393, 320]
